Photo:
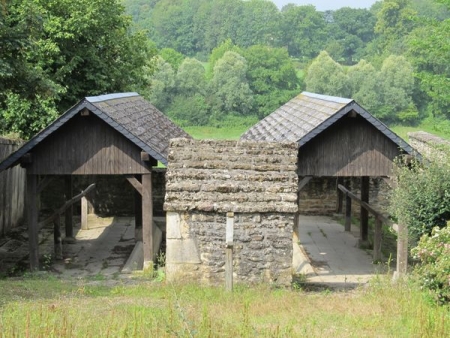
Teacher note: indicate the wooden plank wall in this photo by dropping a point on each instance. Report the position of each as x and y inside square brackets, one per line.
[351, 147]
[12, 190]
[86, 145]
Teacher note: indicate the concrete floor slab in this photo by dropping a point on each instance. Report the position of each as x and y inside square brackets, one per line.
[326, 254]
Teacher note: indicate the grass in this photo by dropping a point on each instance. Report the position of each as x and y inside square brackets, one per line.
[233, 132]
[207, 132]
[429, 125]
[51, 307]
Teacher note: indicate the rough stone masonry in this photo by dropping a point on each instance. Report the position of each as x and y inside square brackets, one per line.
[257, 181]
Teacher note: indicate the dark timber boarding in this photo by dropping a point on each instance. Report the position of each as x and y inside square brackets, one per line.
[350, 147]
[85, 145]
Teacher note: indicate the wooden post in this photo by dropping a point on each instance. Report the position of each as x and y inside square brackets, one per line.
[69, 212]
[364, 223]
[348, 213]
[57, 237]
[84, 213]
[377, 240]
[32, 217]
[138, 213]
[340, 195]
[402, 250]
[147, 220]
[229, 252]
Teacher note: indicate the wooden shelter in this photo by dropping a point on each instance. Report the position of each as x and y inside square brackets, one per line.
[115, 134]
[336, 138]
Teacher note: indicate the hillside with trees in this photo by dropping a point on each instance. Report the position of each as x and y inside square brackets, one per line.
[220, 62]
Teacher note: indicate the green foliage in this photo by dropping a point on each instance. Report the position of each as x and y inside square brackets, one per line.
[189, 110]
[26, 117]
[433, 270]
[303, 31]
[172, 57]
[162, 84]
[325, 76]
[230, 91]
[272, 77]
[421, 199]
[59, 51]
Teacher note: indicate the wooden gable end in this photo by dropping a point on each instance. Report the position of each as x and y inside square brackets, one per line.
[350, 147]
[86, 145]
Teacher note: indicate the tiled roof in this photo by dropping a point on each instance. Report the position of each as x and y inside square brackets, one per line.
[127, 113]
[307, 115]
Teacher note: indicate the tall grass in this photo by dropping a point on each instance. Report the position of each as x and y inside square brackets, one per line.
[151, 309]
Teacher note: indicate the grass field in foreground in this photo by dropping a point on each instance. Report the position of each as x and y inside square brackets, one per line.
[48, 307]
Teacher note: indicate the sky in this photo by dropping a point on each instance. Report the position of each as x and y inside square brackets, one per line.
[322, 5]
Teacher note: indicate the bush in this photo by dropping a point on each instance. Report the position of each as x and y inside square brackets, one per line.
[421, 199]
[433, 270]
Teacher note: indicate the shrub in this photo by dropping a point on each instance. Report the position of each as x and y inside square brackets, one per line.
[433, 270]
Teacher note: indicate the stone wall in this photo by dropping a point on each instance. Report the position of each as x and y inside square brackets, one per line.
[426, 143]
[255, 180]
[319, 196]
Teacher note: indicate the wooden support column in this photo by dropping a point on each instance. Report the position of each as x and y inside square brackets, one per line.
[32, 218]
[364, 224]
[57, 237]
[68, 183]
[138, 212]
[147, 220]
[340, 195]
[348, 213]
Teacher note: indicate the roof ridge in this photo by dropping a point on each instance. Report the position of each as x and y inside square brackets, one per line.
[106, 97]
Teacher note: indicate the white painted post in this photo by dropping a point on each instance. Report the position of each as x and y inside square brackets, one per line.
[84, 213]
[229, 252]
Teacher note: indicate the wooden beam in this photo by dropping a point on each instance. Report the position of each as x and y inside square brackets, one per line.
[57, 238]
[26, 160]
[340, 195]
[135, 183]
[145, 157]
[138, 212]
[147, 221]
[64, 207]
[32, 217]
[364, 220]
[305, 180]
[348, 213]
[68, 216]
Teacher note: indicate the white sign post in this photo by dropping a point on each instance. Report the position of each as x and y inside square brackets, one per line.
[229, 252]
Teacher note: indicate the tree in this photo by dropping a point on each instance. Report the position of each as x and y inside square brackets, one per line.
[349, 31]
[302, 31]
[190, 78]
[229, 87]
[162, 84]
[74, 52]
[172, 57]
[218, 52]
[272, 77]
[429, 51]
[396, 85]
[325, 76]
[363, 85]
[394, 21]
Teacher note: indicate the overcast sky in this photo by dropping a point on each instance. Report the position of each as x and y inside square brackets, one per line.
[322, 5]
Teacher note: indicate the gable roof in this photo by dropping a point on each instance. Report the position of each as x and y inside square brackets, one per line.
[127, 113]
[307, 115]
